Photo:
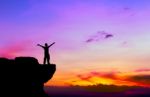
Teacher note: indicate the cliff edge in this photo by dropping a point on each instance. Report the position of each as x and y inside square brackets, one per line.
[24, 76]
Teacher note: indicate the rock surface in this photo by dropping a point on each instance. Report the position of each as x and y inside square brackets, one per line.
[24, 76]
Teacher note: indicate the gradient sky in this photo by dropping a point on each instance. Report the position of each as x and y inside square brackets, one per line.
[97, 41]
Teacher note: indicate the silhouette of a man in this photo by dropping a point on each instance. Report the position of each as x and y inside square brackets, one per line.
[46, 52]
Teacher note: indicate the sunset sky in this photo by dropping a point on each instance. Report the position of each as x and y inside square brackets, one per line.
[97, 41]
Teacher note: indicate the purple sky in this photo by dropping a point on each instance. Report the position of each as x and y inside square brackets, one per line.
[79, 28]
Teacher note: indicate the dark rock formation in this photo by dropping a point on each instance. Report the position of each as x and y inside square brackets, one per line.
[24, 76]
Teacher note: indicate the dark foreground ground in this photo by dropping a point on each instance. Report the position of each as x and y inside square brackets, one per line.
[82, 92]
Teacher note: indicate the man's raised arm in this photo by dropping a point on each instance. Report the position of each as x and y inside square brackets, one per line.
[40, 45]
[51, 44]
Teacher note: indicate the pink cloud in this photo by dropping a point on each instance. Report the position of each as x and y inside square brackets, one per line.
[83, 77]
[111, 75]
[143, 70]
[11, 51]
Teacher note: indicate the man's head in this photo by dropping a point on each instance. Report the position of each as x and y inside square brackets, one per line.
[46, 44]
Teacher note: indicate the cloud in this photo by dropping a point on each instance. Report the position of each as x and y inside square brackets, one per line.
[143, 70]
[145, 79]
[89, 40]
[83, 77]
[10, 51]
[116, 78]
[108, 36]
[124, 44]
[126, 8]
[110, 75]
[98, 36]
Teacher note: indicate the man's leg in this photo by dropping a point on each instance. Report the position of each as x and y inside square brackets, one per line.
[44, 60]
[48, 59]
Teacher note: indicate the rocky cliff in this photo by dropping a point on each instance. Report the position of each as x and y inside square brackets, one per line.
[24, 76]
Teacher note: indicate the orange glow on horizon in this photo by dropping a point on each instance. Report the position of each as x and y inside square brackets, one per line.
[120, 79]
